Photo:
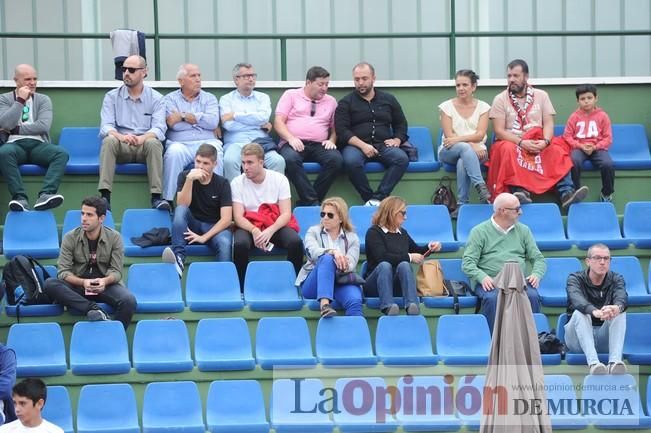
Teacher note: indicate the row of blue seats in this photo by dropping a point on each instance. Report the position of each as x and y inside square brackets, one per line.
[587, 223]
[222, 344]
[158, 289]
[239, 405]
[630, 151]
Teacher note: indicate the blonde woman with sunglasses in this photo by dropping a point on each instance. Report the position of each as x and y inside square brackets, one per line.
[332, 249]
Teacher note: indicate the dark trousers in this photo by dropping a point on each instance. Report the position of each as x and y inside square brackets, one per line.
[488, 302]
[284, 238]
[602, 160]
[395, 163]
[36, 152]
[115, 295]
[331, 162]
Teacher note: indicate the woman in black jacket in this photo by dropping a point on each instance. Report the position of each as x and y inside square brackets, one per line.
[389, 254]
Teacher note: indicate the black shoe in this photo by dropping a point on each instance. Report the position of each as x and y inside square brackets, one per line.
[160, 204]
[107, 202]
[574, 196]
[327, 311]
[523, 196]
[97, 315]
[48, 201]
[18, 205]
[484, 195]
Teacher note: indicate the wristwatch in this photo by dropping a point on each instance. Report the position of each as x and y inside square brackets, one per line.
[547, 142]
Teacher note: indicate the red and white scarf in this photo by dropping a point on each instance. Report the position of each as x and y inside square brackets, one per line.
[521, 111]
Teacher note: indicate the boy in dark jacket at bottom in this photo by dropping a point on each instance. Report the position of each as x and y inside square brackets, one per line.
[7, 381]
[597, 302]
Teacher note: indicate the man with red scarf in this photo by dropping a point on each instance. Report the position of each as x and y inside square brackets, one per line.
[525, 157]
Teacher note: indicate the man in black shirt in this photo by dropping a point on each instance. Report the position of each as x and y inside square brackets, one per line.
[370, 125]
[204, 210]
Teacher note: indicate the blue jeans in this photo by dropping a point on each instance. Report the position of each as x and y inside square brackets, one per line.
[600, 159]
[581, 336]
[221, 243]
[320, 283]
[386, 284]
[468, 168]
[488, 302]
[395, 163]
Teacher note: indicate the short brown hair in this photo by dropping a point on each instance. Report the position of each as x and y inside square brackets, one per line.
[342, 209]
[253, 149]
[385, 216]
[206, 150]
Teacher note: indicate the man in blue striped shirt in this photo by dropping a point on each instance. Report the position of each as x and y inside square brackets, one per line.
[245, 117]
[192, 118]
[133, 128]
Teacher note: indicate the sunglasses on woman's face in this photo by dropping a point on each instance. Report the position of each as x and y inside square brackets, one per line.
[330, 215]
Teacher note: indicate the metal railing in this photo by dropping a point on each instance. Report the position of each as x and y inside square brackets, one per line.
[451, 35]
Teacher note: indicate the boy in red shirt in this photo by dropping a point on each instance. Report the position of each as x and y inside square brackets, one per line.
[589, 135]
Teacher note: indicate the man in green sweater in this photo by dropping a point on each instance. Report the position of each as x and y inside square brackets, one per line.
[494, 242]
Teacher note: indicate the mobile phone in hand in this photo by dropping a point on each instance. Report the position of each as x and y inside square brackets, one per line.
[269, 247]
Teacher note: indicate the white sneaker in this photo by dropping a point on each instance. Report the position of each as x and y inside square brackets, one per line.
[372, 202]
[598, 369]
[170, 257]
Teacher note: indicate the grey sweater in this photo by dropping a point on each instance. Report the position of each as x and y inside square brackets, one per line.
[12, 110]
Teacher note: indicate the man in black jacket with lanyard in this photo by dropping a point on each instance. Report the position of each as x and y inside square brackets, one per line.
[370, 125]
[597, 303]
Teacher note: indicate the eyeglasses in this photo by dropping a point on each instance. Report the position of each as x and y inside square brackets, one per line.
[131, 70]
[330, 215]
[247, 76]
[600, 258]
[517, 209]
[403, 212]
[25, 113]
[313, 109]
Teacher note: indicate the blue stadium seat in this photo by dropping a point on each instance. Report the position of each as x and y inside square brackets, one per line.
[360, 217]
[430, 223]
[172, 406]
[630, 148]
[37, 310]
[57, 408]
[420, 137]
[286, 394]
[223, 344]
[469, 216]
[32, 170]
[637, 344]
[99, 348]
[404, 340]
[573, 358]
[47, 358]
[562, 402]
[636, 227]
[72, 220]
[107, 408]
[307, 216]
[546, 224]
[426, 413]
[262, 293]
[591, 223]
[621, 390]
[19, 236]
[451, 271]
[542, 325]
[631, 270]
[156, 286]
[463, 339]
[357, 413]
[470, 409]
[83, 145]
[204, 292]
[552, 286]
[283, 341]
[344, 340]
[135, 222]
[161, 346]
[236, 406]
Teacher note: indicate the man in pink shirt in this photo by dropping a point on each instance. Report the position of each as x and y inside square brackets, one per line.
[305, 123]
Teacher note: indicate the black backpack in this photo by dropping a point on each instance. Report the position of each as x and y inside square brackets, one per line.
[26, 272]
[550, 343]
[443, 195]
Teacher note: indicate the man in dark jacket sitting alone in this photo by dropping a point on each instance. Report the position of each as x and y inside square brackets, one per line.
[597, 300]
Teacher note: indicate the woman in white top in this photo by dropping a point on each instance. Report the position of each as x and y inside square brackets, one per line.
[464, 120]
